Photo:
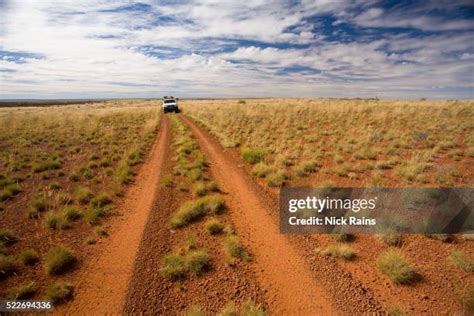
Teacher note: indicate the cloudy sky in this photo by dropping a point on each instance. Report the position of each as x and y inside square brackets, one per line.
[210, 48]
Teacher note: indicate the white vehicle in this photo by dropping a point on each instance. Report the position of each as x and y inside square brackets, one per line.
[170, 104]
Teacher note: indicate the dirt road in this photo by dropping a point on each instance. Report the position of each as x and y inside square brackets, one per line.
[102, 283]
[289, 284]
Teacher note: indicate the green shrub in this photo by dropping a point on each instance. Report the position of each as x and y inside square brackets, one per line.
[392, 239]
[261, 170]
[193, 210]
[199, 189]
[167, 181]
[7, 236]
[101, 200]
[234, 249]
[8, 266]
[275, 179]
[462, 261]
[249, 308]
[340, 251]
[38, 204]
[56, 221]
[253, 155]
[196, 261]
[123, 172]
[9, 191]
[60, 292]
[72, 213]
[59, 260]
[394, 264]
[22, 292]
[174, 266]
[213, 226]
[28, 257]
[43, 166]
[83, 195]
[194, 174]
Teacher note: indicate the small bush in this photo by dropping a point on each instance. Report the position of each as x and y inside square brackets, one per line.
[194, 174]
[8, 266]
[249, 308]
[392, 239]
[28, 257]
[90, 240]
[100, 201]
[275, 179]
[213, 226]
[340, 251]
[22, 292]
[196, 261]
[199, 189]
[7, 236]
[395, 310]
[60, 292]
[59, 260]
[38, 204]
[72, 213]
[167, 181]
[174, 266]
[193, 210]
[261, 170]
[83, 195]
[462, 261]
[9, 191]
[123, 173]
[253, 155]
[43, 166]
[393, 264]
[56, 221]
[234, 249]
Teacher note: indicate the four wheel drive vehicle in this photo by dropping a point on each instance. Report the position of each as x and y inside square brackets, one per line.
[170, 104]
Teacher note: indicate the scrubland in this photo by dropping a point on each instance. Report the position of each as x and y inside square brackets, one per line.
[347, 142]
[363, 143]
[62, 170]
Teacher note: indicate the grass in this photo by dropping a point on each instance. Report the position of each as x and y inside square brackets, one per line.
[340, 251]
[199, 189]
[249, 308]
[8, 266]
[234, 249]
[391, 239]
[59, 260]
[393, 264]
[22, 292]
[83, 195]
[56, 221]
[28, 257]
[167, 181]
[214, 226]
[177, 266]
[193, 210]
[252, 155]
[462, 261]
[7, 236]
[60, 292]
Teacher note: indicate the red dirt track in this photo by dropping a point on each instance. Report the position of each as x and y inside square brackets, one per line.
[102, 284]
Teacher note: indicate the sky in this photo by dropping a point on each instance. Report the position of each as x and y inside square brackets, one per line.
[252, 48]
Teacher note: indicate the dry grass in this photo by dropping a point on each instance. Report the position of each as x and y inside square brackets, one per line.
[393, 264]
[407, 140]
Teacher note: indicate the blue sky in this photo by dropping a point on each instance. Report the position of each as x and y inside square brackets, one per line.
[318, 48]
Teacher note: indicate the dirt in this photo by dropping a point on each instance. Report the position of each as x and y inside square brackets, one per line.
[100, 286]
[151, 293]
[357, 286]
[290, 286]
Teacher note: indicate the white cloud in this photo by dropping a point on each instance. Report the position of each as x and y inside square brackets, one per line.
[89, 50]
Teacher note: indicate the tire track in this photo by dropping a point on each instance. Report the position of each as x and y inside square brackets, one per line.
[102, 284]
[288, 281]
